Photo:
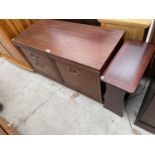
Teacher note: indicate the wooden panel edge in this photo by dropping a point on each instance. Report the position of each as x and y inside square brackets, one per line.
[7, 127]
[21, 65]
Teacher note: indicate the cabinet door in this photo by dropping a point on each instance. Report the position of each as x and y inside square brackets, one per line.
[79, 78]
[42, 64]
[148, 116]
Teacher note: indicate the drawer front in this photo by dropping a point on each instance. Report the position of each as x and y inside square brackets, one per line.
[79, 78]
[42, 64]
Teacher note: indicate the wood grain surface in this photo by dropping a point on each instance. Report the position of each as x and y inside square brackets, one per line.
[9, 28]
[84, 44]
[141, 23]
[129, 65]
[135, 29]
[6, 128]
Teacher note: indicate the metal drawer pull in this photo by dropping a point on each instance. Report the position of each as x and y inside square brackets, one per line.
[40, 64]
[34, 57]
[75, 72]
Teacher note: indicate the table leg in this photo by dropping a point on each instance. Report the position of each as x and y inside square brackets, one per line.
[114, 99]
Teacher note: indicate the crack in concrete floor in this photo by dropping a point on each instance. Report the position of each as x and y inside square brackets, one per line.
[37, 108]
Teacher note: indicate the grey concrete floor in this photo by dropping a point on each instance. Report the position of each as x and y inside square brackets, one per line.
[37, 105]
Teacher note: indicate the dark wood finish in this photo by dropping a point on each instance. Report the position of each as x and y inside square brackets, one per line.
[79, 78]
[6, 128]
[146, 116]
[42, 63]
[129, 65]
[114, 99]
[124, 73]
[79, 52]
[83, 21]
[151, 69]
[83, 44]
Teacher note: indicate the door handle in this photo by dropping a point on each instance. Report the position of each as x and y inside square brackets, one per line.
[34, 57]
[74, 72]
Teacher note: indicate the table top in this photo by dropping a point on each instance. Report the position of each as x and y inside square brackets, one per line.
[129, 65]
[84, 44]
[145, 23]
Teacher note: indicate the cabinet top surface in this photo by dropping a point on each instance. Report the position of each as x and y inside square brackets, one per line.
[84, 44]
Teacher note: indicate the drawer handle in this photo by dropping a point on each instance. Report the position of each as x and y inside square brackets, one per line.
[40, 64]
[34, 57]
[74, 72]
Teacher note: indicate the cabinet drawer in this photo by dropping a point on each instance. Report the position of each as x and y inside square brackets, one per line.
[42, 64]
[79, 78]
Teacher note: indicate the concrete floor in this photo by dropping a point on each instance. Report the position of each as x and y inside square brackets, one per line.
[37, 105]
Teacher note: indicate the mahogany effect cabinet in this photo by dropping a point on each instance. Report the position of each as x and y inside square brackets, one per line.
[146, 115]
[73, 54]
